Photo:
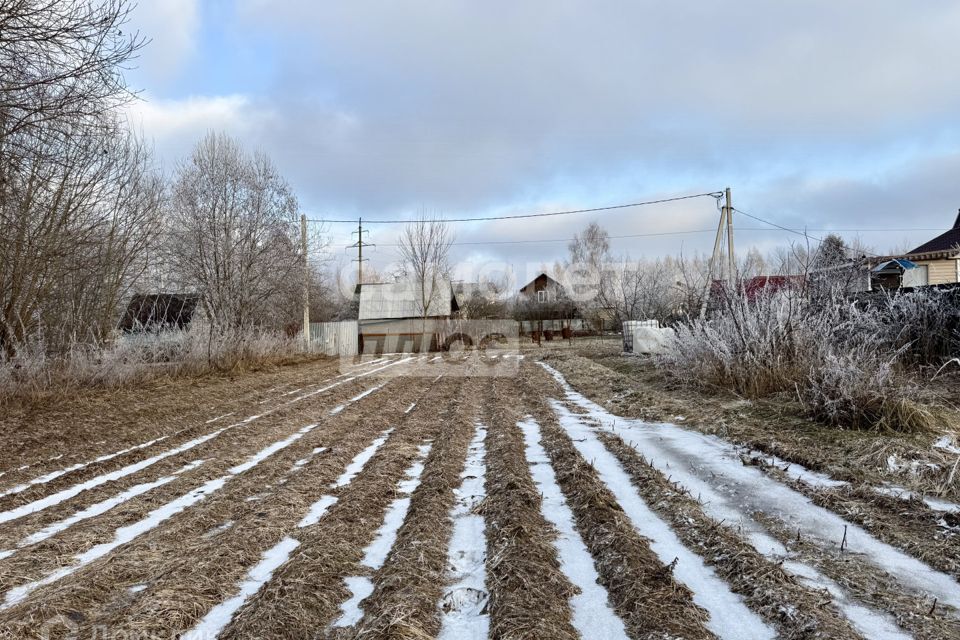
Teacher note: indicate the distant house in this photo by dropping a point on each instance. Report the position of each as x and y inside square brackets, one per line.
[542, 289]
[757, 285]
[935, 262]
[940, 257]
[393, 318]
[159, 312]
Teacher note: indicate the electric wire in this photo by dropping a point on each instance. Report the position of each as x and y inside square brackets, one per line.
[712, 194]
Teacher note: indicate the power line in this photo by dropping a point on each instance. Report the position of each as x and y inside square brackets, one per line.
[712, 194]
[799, 233]
[633, 235]
[650, 235]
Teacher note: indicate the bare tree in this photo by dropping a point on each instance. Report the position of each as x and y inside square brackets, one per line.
[232, 234]
[61, 64]
[78, 196]
[78, 234]
[424, 253]
[590, 247]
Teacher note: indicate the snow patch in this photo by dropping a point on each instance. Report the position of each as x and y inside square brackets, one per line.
[355, 398]
[104, 506]
[375, 554]
[947, 443]
[463, 607]
[798, 471]
[710, 469]
[155, 518]
[53, 475]
[219, 617]
[592, 615]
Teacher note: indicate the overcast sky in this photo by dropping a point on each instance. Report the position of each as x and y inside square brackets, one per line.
[818, 114]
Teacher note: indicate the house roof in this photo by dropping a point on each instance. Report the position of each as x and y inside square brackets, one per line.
[533, 283]
[155, 311]
[397, 300]
[946, 241]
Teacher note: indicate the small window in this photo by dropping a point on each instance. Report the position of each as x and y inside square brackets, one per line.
[542, 295]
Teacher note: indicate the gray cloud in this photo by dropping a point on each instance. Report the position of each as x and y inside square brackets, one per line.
[819, 114]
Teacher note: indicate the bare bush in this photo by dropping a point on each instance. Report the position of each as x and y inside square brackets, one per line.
[847, 363]
[36, 370]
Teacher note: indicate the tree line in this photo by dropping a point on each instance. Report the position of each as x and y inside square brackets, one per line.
[86, 215]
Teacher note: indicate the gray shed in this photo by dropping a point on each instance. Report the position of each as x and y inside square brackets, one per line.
[392, 318]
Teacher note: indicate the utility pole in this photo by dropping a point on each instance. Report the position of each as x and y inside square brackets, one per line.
[306, 281]
[726, 224]
[714, 261]
[732, 272]
[359, 245]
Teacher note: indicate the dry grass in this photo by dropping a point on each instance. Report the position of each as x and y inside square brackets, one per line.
[641, 588]
[529, 594]
[633, 387]
[907, 524]
[403, 605]
[235, 442]
[90, 422]
[795, 610]
[36, 374]
[186, 571]
[304, 596]
[870, 585]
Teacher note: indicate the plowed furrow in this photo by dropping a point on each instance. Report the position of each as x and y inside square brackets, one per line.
[529, 594]
[862, 581]
[409, 586]
[50, 489]
[155, 549]
[796, 610]
[220, 452]
[464, 606]
[113, 422]
[304, 595]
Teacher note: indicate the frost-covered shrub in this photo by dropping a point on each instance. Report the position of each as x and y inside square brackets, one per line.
[132, 358]
[756, 345]
[925, 321]
[848, 361]
[862, 390]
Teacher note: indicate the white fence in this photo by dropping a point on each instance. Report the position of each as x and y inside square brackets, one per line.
[335, 338]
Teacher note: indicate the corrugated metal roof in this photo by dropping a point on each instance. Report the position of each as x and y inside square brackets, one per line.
[395, 300]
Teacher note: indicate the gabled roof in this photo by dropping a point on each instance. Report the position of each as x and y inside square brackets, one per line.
[397, 300]
[946, 241]
[533, 282]
[157, 311]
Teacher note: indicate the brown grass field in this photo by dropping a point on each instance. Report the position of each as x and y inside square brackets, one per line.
[325, 500]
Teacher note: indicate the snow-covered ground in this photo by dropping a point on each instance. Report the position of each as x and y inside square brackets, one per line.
[592, 615]
[464, 603]
[729, 491]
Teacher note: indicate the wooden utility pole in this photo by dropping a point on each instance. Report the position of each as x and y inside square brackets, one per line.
[306, 281]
